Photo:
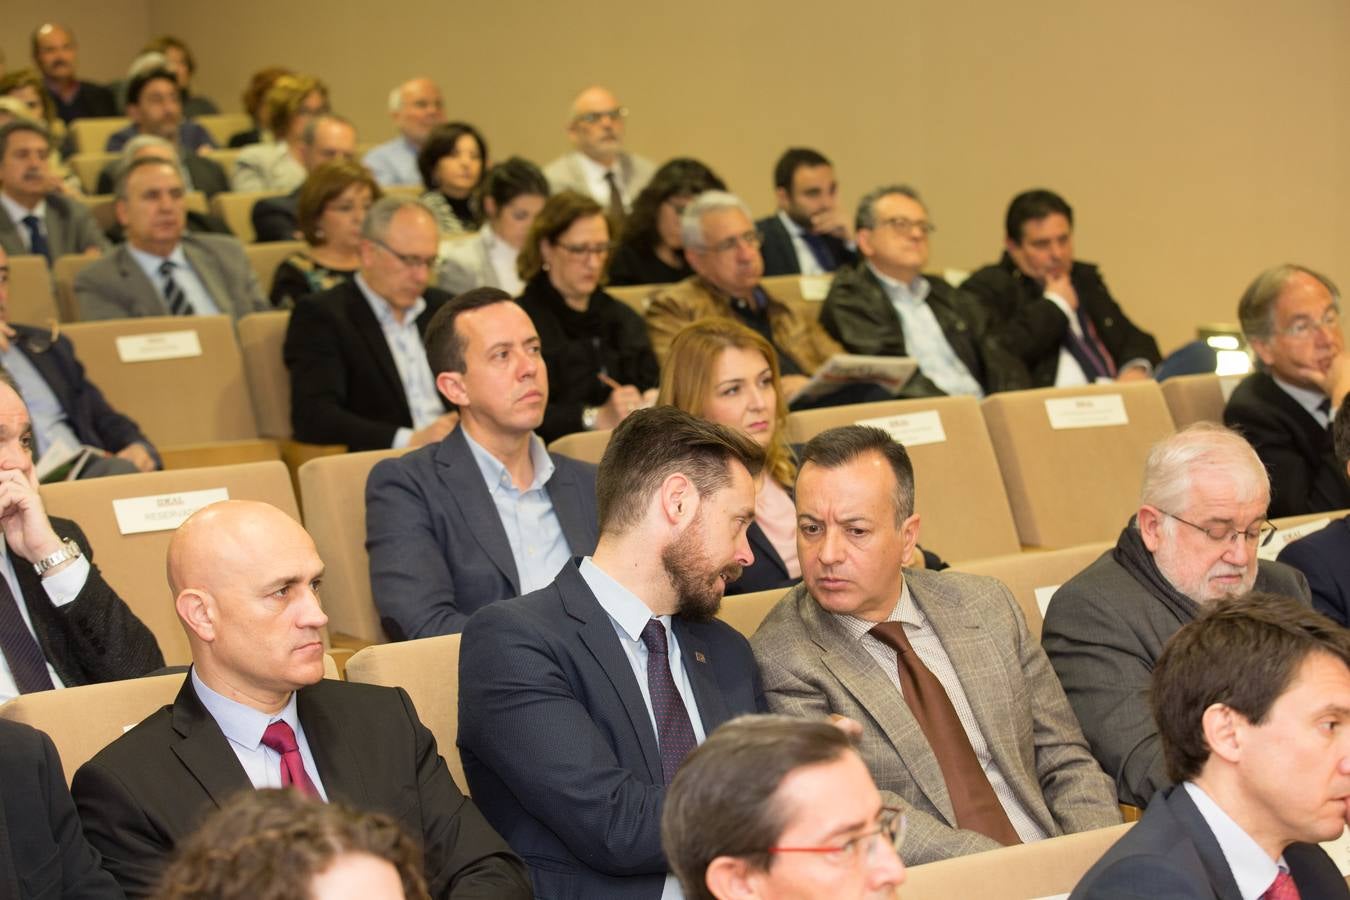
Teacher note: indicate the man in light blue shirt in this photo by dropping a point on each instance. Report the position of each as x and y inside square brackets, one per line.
[416, 107]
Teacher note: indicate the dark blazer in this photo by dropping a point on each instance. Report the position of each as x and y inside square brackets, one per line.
[277, 218]
[1324, 559]
[558, 748]
[345, 388]
[1035, 327]
[95, 637]
[208, 176]
[92, 101]
[780, 255]
[1297, 451]
[152, 787]
[858, 314]
[1172, 853]
[70, 229]
[43, 853]
[438, 550]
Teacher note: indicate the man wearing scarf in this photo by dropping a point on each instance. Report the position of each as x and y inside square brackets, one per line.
[1201, 520]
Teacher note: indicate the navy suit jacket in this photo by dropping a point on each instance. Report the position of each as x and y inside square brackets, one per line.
[780, 254]
[558, 748]
[437, 547]
[1172, 853]
[1324, 557]
[277, 218]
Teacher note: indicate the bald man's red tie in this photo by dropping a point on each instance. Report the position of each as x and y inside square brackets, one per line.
[281, 738]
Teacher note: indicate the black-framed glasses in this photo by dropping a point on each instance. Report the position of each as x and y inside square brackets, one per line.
[411, 260]
[580, 251]
[863, 847]
[1258, 533]
[617, 114]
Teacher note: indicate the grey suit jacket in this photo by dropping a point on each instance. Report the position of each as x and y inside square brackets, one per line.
[565, 174]
[811, 667]
[115, 287]
[465, 266]
[1103, 632]
[70, 229]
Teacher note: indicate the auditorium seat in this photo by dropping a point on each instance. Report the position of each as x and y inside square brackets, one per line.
[236, 209]
[1031, 574]
[1077, 482]
[31, 298]
[88, 166]
[958, 488]
[226, 157]
[1048, 868]
[411, 191]
[587, 446]
[222, 126]
[134, 563]
[1198, 398]
[635, 296]
[333, 495]
[428, 669]
[744, 612]
[64, 270]
[92, 133]
[805, 293]
[265, 258]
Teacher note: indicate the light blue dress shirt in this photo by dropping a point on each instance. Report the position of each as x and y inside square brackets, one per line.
[50, 423]
[62, 587]
[193, 288]
[924, 339]
[394, 162]
[1253, 870]
[410, 358]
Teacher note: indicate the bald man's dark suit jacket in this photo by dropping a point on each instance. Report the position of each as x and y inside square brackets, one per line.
[151, 788]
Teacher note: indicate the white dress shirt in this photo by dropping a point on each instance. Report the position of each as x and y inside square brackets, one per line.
[203, 304]
[410, 359]
[502, 257]
[925, 340]
[62, 588]
[598, 185]
[806, 260]
[1252, 868]
[1307, 398]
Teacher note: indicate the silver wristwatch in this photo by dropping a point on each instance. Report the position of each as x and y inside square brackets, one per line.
[589, 416]
[69, 550]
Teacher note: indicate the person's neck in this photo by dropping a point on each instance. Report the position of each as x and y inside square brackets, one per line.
[231, 688]
[510, 448]
[669, 255]
[607, 162]
[1222, 787]
[162, 249]
[901, 274]
[629, 559]
[26, 200]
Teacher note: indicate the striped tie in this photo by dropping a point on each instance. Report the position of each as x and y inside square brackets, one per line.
[173, 291]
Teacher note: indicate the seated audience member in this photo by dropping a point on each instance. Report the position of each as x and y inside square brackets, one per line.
[1248, 699]
[162, 269]
[253, 98]
[578, 702]
[651, 250]
[61, 624]
[809, 234]
[1291, 318]
[256, 712]
[886, 306]
[359, 372]
[599, 166]
[68, 408]
[1054, 310]
[155, 106]
[54, 53]
[772, 808]
[511, 195]
[201, 174]
[278, 166]
[1201, 518]
[325, 138]
[487, 513]
[452, 162]
[43, 852]
[1324, 556]
[26, 87]
[416, 107]
[180, 61]
[330, 210]
[982, 748]
[282, 844]
[600, 361]
[37, 218]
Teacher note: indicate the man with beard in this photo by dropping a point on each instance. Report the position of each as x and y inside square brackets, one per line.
[578, 702]
[1201, 519]
[962, 719]
[809, 233]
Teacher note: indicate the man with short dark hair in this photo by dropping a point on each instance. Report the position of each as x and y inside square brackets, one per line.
[1251, 701]
[487, 512]
[578, 702]
[599, 166]
[962, 717]
[326, 138]
[155, 106]
[34, 218]
[809, 233]
[1054, 310]
[54, 51]
[1290, 316]
[758, 810]
[416, 107]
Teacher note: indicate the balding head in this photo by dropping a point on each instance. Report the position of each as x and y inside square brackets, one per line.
[417, 107]
[596, 124]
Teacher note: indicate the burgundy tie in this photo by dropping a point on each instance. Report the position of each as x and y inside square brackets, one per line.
[674, 732]
[1282, 888]
[281, 738]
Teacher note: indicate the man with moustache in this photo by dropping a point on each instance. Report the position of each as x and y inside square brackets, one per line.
[600, 167]
[34, 218]
[578, 702]
[54, 51]
[1201, 519]
[487, 512]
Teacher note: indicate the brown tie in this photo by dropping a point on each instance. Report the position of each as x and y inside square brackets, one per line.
[615, 211]
[973, 798]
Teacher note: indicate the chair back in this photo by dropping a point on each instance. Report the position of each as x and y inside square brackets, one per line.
[88, 166]
[236, 209]
[223, 126]
[225, 157]
[32, 301]
[587, 446]
[1033, 577]
[64, 270]
[91, 134]
[745, 612]
[261, 337]
[1194, 398]
[265, 258]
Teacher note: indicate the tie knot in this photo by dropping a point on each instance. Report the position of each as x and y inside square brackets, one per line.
[166, 268]
[609, 176]
[280, 737]
[892, 634]
[654, 636]
[30, 220]
[1325, 406]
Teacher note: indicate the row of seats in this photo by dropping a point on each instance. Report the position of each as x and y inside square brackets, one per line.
[91, 134]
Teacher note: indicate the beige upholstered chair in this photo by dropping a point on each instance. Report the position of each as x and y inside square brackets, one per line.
[265, 258]
[64, 270]
[237, 211]
[587, 446]
[1194, 398]
[31, 298]
[88, 166]
[745, 612]
[91, 134]
[223, 126]
[1026, 574]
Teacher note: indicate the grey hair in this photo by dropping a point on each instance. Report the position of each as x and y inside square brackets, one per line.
[126, 166]
[139, 143]
[1174, 462]
[1256, 309]
[150, 59]
[311, 129]
[691, 222]
[23, 124]
[382, 212]
[867, 206]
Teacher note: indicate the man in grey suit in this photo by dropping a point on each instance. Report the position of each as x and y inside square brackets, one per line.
[485, 513]
[162, 270]
[1201, 519]
[961, 714]
[35, 219]
[599, 166]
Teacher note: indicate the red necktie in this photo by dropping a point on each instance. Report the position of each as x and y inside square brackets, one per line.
[1282, 888]
[281, 738]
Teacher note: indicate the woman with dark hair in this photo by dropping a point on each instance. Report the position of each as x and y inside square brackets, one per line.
[452, 162]
[598, 355]
[330, 209]
[509, 198]
[651, 250]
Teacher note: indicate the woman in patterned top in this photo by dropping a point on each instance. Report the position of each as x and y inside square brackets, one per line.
[331, 207]
[452, 163]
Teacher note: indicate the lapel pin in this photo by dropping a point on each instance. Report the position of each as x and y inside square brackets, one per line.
[698, 655]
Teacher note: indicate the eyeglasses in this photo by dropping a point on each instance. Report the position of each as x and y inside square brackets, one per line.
[751, 239]
[412, 261]
[864, 847]
[617, 114]
[581, 251]
[905, 226]
[1259, 533]
[1303, 329]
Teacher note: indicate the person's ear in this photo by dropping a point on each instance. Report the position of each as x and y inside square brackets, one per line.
[1223, 727]
[731, 878]
[451, 385]
[1150, 522]
[196, 609]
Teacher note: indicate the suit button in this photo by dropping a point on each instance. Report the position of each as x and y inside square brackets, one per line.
[1108, 322]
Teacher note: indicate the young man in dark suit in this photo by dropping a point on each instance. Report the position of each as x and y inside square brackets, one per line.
[809, 233]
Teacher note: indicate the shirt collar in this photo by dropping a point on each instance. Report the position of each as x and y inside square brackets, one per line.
[17, 211]
[242, 724]
[791, 226]
[1252, 868]
[494, 471]
[916, 291]
[384, 313]
[906, 612]
[621, 604]
[151, 263]
[1307, 398]
[597, 172]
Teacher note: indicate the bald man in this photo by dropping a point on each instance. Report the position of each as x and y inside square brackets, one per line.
[416, 107]
[599, 166]
[255, 712]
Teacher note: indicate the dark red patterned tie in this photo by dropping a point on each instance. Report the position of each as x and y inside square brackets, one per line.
[281, 738]
[1282, 888]
[674, 733]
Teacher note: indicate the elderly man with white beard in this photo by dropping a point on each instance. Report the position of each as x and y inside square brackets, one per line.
[1201, 520]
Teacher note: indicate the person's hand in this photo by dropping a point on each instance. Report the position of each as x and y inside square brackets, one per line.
[623, 399]
[139, 456]
[6, 335]
[831, 222]
[1133, 373]
[27, 529]
[1061, 286]
[435, 431]
[1334, 381]
[792, 385]
[851, 727]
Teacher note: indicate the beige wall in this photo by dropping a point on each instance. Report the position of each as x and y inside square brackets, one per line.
[1198, 142]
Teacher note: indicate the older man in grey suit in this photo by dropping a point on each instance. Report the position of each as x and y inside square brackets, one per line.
[1201, 520]
[34, 218]
[600, 167]
[961, 714]
[161, 270]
